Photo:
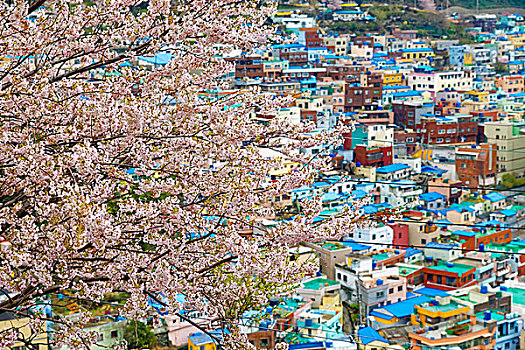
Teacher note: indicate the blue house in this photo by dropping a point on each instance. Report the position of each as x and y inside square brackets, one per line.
[393, 172]
[508, 328]
[433, 200]
[507, 217]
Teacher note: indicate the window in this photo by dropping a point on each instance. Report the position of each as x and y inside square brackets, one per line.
[100, 337]
[423, 241]
[345, 278]
[400, 288]
[264, 342]
[391, 291]
[114, 334]
[339, 276]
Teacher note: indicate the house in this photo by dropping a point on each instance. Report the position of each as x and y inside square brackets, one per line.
[370, 339]
[497, 200]
[507, 217]
[376, 291]
[397, 314]
[330, 253]
[317, 288]
[481, 298]
[508, 328]
[442, 251]
[393, 172]
[9, 320]
[201, 341]
[449, 276]
[433, 200]
[483, 234]
[439, 310]
[461, 333]
[378, 235]
[399, 193]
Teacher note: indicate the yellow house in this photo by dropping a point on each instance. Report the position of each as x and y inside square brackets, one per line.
[441, 308]
[417, 53]
[468, 59]
[201, 341]
[517, 40]
[478, 96]
[392, 79]
[332, 302]
[11, 321]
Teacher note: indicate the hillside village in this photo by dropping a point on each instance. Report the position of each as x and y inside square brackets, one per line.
[434, 154]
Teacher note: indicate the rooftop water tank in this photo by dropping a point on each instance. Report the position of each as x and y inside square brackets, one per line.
[483, 289]
[308, 322]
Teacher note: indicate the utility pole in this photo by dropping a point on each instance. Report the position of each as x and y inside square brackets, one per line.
[358, 298]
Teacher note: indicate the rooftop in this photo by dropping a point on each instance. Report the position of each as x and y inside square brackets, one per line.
[460, 269]
[392, 168]
[319, 283]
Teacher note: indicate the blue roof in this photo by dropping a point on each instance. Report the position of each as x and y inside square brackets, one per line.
[490, 223]
[370, 209]
[432, 170]
[358, 194]
[443, 223]
[199, 339]
[465, 233]
[440, 245]
[406, 93]
[494, 197]
[412, 251]
[432, 196]
[425, 67]
[507, 212]
[356, 247]
[396, 87]
[369, 335]
[391, 168]
[379, 314]
[161, 58]
[431, 292]
[405, 307]
[424, 49]
[310, 345]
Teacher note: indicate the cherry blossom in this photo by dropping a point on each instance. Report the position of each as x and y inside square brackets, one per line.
[120, 176]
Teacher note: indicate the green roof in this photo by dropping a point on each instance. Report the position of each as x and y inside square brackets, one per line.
[382, 256]
[444, 308]
[404, 271]
[318, 283]
[460, 269]
[518, 295]
[332, 246]
[494, 315]
[507, 247]
[517, 208]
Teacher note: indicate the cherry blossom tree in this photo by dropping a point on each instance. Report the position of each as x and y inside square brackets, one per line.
[121, 177]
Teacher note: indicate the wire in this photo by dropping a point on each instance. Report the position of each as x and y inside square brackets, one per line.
[429, 145]
[502, 226]
[429, 185]
[415, 246]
